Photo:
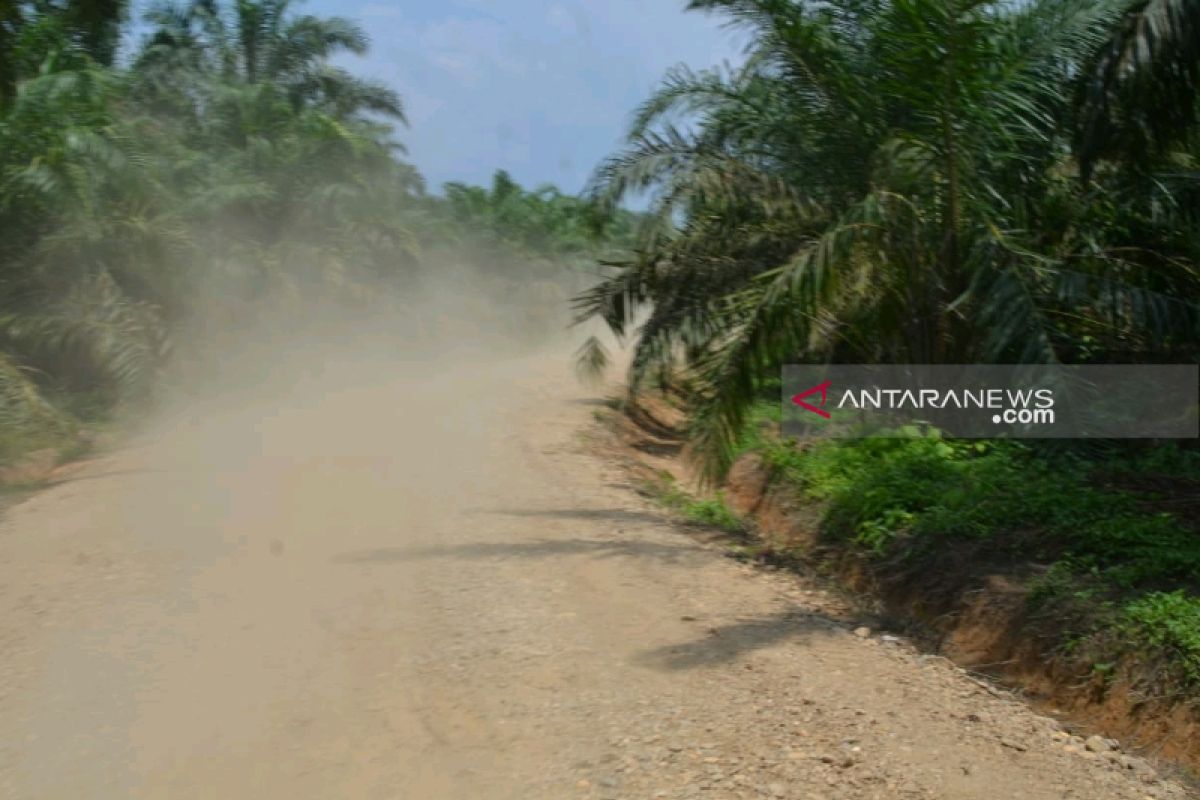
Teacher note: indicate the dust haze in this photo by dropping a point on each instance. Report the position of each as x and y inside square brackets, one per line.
[359, 406]
[375, 557]
[288, 443]
[458, 310]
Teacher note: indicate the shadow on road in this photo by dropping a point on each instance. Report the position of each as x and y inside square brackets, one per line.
[540, 548]
[603, 514]
[727, 643]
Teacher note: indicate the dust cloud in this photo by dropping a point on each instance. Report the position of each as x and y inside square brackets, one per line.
[458, 314]
[288, 441]
[366, 554]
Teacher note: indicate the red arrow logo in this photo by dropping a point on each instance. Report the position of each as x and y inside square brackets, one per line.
[823, 388]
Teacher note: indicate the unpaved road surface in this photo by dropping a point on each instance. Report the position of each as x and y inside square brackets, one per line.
[427, 585]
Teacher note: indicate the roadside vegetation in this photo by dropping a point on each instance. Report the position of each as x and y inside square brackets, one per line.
[219, 167]
[1106, 544]
[711, 512]
[938, 181]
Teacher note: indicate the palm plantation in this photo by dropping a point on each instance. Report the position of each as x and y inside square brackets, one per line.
[895, 182]
[231, 163]
[881, 181]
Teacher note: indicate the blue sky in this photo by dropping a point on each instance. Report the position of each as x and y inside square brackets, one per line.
[541, 89]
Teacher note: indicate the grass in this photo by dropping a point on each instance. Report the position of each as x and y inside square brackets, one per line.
[709, 511]
[1104, 529]
[1169, 623]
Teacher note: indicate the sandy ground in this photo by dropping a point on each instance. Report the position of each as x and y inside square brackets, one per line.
[428, 585]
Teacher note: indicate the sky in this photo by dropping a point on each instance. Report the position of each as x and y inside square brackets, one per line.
[543, 89]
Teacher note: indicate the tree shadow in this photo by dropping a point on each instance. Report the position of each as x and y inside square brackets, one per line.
[726, 643]
[604, 514]
[656, 448]
[596, 402]
[540, 548]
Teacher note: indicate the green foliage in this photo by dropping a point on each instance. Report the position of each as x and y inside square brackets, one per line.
[229, 166]
[543, 223]
[27, 421]
[1139, 96]
[923, 491]
[1169, 622]
[889, 183]
[1115, 574]
[129, 193]
[711, 511]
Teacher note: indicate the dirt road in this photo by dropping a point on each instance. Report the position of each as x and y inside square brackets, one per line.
[426, 586]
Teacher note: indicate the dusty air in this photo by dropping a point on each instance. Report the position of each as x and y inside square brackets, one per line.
[394, 400]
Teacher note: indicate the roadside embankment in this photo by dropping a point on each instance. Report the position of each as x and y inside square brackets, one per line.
[1069, 577]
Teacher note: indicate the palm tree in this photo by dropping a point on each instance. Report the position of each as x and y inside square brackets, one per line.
[30, 32]
[291, 146]
[1139, 93]
[543, 221]
[97, 24]
[882, 181]
[260, 43]
[86, 217]
[232, 158]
